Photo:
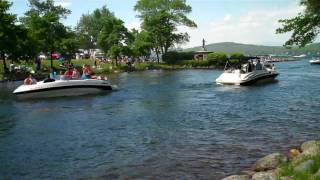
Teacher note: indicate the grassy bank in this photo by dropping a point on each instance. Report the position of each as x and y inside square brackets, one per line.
[302, 163]
[310, 171]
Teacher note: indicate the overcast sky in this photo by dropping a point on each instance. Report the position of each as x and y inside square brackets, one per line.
[242, 21]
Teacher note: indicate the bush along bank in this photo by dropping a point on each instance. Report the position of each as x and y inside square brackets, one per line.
[299, 164]
[216, 60]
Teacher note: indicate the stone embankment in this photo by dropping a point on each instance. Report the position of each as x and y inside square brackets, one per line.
[276, 166]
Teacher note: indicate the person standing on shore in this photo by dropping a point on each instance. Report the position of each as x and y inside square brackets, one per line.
[38, 63]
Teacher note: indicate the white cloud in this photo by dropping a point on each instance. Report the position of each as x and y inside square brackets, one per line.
[63, 3]
[254, 27]
[133, 25]
[227, 17]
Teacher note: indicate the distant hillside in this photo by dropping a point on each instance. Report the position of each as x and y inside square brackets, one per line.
[248, 49]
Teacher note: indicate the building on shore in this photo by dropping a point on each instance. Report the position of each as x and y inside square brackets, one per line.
[203, 53]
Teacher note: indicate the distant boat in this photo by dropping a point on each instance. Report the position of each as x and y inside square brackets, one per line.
[300, 56]
[315, 61]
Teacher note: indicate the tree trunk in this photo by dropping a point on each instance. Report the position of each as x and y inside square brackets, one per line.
[51, 60]
[157, 53]
[5, 68]
[116, 61]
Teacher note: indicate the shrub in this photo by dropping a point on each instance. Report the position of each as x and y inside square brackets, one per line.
[195, 63]
[239, 56]
[174, 57]
[217, 58]
[233, 61]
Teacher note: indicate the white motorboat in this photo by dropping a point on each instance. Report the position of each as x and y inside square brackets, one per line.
[244, 76]
[315, 61]
[60, 88]
[300, 56]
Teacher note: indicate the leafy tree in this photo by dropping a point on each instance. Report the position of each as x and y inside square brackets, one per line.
[304, 27]
[25, 47]
[69, 45]
[160, 19]
[43, 22]
[114, 38]
[8, 29]
[217, 58]
[90, 26]
[140, 45]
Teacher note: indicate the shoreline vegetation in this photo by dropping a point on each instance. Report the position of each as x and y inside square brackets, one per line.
[100, 69]
[301, 163]
[172, 60]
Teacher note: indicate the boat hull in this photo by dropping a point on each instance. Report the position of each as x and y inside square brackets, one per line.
[236, 78]
[62, 88]
[314, 61]
[262, 79]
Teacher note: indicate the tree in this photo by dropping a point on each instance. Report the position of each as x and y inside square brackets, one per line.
[25, 47]
[141, 44]
[43, 22]
[90, 26]
[160, 19]
[304, 27]
[8, 31]
[114, 38]
[69, 45]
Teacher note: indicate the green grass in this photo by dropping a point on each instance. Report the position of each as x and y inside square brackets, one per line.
[151, 65]
[288, 169]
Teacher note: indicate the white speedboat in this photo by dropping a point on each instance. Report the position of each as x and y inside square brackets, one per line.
[244, 76]
[60, 88]
[300, 56]
[315, 61]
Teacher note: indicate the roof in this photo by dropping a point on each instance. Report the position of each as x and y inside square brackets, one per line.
[203, 52]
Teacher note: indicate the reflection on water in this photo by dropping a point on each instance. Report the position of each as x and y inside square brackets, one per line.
[158, 124]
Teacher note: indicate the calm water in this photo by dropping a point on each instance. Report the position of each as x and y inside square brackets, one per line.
[159, 124]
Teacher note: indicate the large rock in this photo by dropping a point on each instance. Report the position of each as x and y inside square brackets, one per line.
[311, 148]
[294, 153]
[269, 162]
[237, 177]
[264, 176]
[248, 172]
[304, 166]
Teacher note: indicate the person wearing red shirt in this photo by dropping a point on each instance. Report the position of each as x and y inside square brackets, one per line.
[68, 73]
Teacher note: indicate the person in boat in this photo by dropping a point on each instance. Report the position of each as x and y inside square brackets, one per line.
[62, 76]
[68, 73]
[250, 66]
[29, 80]
[87, 72]
[75, 74]
[258, 65]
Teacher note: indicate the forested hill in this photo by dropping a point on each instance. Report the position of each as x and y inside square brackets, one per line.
[249, 49]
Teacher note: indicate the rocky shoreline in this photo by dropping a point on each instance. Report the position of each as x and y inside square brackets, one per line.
[300, 161]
